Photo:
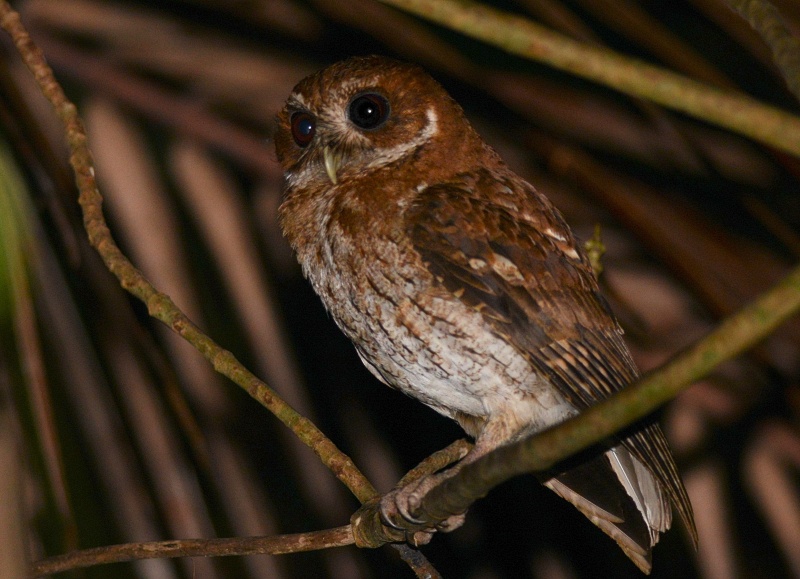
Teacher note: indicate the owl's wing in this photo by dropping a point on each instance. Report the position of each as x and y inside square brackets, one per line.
[503, 249]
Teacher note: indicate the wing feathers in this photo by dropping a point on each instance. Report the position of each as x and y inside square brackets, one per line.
[502, 249]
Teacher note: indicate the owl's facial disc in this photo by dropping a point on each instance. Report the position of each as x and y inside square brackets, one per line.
[335, 130]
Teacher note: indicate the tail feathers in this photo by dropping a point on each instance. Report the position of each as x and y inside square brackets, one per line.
[622, 498]
[644, 490]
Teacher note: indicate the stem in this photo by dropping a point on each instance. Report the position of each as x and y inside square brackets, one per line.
[279, 545]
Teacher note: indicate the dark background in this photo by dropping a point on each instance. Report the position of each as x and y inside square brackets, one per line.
[179, 98]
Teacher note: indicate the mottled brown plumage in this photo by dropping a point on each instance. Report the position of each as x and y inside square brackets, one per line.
[460, 284]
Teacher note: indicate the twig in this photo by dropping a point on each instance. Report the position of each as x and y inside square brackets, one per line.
[520, 36]
[279, 545]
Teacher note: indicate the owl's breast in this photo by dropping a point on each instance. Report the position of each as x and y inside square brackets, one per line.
[412, 333]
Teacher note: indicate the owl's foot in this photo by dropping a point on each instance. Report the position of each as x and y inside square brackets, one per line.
[398, 506]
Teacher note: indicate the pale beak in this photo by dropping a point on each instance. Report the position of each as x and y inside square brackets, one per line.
[333, 161]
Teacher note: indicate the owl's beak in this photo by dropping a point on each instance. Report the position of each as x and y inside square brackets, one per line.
[333, 161]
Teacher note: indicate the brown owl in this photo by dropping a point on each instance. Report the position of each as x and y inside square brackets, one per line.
[461, 285]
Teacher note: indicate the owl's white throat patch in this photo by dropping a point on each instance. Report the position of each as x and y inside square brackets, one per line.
[384, 156]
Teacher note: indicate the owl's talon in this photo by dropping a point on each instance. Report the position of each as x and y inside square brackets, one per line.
[396, 510]
[397, 506]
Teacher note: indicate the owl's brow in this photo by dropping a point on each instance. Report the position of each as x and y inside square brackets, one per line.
[347, 84]
[387, 155]
[298, 100]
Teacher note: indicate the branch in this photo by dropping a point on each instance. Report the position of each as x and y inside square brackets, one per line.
[279, 545]
[517, 35]
[734, 335]
[240, 546]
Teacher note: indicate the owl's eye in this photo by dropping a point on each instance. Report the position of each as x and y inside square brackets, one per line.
[303, 128]
[368, 111]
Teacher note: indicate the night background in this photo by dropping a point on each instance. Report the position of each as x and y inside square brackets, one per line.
[126, 434]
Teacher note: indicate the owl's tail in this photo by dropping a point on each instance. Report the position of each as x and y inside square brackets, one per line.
[619, 495]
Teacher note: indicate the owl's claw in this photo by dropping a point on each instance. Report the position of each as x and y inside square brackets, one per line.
[397, 506]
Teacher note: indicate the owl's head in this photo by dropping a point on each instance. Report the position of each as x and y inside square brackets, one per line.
[364, 114]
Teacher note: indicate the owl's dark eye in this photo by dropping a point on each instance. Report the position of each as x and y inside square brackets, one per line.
[303, 128]
[368, 111]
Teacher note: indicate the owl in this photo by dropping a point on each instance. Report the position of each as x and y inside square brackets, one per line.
[461, 285]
